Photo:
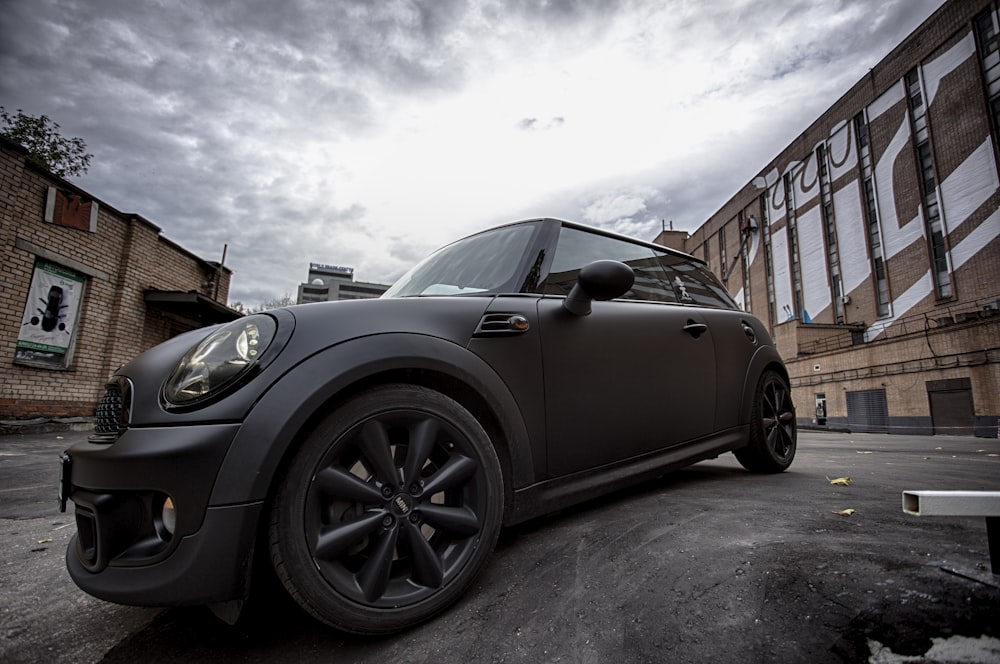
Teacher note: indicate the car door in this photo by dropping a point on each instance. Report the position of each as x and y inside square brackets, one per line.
[736, 334]
[635, 376]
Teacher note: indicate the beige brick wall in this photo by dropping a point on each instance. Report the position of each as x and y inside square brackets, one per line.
[902, 366]
[124, 257]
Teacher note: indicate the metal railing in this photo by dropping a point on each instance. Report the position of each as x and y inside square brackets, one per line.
[941, 317]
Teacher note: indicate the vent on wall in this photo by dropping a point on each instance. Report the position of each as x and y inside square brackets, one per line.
[65, 209]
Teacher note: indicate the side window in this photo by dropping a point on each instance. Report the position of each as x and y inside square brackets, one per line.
[577, 248]
[694, 283]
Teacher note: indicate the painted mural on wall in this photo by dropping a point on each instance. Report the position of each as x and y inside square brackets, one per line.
[50, 315]
[961, 194]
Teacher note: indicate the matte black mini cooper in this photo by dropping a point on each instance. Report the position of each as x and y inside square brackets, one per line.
[369, 451]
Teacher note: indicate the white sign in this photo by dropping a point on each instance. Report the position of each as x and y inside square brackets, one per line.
[50, 313]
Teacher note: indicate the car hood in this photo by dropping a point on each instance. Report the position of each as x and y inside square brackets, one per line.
[303, 331]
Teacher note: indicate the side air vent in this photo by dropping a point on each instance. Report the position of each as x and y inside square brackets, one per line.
[502, 324]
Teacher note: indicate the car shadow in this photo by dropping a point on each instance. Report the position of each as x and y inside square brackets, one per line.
[698, 474]
[272, 627]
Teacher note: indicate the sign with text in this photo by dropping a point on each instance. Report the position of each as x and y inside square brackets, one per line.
[50, 314]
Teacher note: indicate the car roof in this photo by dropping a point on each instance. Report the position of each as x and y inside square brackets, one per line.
[600, 231]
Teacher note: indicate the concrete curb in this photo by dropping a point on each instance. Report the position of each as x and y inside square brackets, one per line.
[45, 425]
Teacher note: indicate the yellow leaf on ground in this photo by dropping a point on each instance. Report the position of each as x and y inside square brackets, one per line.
[44, 541]
[840, 481]
[848, 512]
[862, 451]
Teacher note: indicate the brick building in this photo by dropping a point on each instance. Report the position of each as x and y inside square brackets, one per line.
[84, 289]
[871, 243]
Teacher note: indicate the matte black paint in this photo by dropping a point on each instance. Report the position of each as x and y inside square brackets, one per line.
[209, 566]
[576, 405]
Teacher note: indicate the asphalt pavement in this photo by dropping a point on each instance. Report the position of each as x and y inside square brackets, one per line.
[708, 564]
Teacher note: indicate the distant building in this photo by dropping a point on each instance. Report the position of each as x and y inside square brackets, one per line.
[85, 289]
[871, 243]
[332, 282]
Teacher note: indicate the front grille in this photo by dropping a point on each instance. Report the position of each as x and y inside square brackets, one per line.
[112, 413]
[109, 412]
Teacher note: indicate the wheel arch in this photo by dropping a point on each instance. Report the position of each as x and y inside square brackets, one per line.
[293, 405]
[765, 359]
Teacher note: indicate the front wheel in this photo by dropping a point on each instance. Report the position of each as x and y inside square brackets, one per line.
[388, 511]
[772, 427]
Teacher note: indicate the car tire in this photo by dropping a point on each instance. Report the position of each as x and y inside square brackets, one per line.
[772, 427]
[388, 510]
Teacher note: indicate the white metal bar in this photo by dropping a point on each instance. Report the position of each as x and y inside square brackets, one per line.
[952, 503]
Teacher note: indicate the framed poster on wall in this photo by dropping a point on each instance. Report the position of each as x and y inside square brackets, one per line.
[48, 327]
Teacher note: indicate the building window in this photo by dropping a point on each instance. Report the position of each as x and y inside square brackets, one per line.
[745, 230]
[928, 186]
[72, 210]
[765, 230]
[871, 214]
[832, 252]
[793, 242]
[913, 89]
[51, 311]
[989, 58]
[722, 254]
[862, 130]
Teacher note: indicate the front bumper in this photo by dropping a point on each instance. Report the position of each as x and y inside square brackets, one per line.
[212, 565]
[124, 551]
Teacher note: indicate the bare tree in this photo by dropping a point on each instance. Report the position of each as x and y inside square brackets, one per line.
[285, 300]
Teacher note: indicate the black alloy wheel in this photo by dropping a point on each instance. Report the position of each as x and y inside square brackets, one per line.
[388, 511]
[773, 432]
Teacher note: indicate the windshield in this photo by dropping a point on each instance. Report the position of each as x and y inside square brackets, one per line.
[483, 263]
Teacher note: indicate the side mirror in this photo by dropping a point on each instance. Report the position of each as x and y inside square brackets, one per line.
[600, 280]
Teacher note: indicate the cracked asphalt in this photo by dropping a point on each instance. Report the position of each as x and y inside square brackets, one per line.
[706, 564]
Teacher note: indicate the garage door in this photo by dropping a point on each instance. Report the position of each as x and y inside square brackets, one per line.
[952, 411]
[868, 411]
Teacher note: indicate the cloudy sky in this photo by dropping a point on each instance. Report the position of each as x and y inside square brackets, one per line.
[367, 133]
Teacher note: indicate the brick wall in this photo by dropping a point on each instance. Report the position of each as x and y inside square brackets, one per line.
[125, 256]
[902, 366]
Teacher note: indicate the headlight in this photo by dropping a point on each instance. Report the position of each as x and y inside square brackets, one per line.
[220, 360]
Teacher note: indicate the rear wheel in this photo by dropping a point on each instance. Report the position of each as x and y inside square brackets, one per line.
[388, 511]
[772, 427]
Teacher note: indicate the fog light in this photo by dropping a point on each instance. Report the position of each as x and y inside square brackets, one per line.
[169, 516]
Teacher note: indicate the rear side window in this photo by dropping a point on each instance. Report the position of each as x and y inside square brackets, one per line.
[693, 283]
[577, 248]
[659, 276]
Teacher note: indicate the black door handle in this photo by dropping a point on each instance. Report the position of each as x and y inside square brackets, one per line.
[695, 329]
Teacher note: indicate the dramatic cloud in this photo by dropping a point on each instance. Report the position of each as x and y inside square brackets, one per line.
[369, 133]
